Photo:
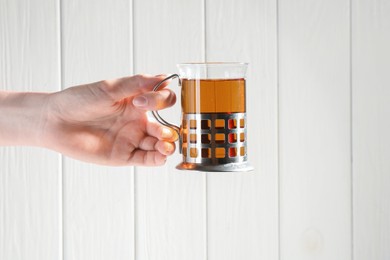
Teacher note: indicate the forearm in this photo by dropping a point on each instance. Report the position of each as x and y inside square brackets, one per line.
[22, 118]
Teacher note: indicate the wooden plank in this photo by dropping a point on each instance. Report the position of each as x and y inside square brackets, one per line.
[371, 128]
[315, 140]
[98, 201]
[243, 207]
[170, 204]
[30, 178]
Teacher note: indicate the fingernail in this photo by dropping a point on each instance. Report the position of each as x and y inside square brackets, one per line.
[166, 133]
[140, 101]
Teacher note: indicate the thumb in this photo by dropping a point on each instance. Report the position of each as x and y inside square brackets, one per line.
[155, 100]
[130, 86]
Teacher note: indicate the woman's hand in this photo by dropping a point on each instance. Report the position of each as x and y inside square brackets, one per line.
[103, 122]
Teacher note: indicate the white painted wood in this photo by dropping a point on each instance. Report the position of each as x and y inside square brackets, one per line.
[371, 128]
[30, 178]
[315, 141]
[170, 204]
[243, 207]
[98, 201]
[168, 214]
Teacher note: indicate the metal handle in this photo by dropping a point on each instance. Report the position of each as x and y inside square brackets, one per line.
[156, 114]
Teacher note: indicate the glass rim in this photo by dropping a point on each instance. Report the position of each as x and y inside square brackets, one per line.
[211, 64]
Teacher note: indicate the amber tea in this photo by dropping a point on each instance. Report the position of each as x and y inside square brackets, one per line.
[213, 95]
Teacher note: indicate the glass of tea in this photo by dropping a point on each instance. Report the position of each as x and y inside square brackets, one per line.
[213, 130]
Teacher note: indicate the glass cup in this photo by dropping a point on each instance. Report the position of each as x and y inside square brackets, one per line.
[213, 131]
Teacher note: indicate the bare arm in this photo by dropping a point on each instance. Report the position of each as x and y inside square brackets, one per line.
[103, 122]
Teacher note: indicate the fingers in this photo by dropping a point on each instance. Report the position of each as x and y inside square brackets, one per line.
[152, 156]
[147, 158]
[129, 86]
[161, 132]
[155, 100]
[154, 148]
[165, 148]
[150, 143]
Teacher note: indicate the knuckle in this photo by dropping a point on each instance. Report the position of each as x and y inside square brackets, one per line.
[142, 143]
[146, 158]
[155, 161]
[107, 84]
[139, 78]
[172, 97]
[159, 131]
[107, 87]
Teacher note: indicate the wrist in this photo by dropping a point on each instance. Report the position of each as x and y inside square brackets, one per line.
[23, 118]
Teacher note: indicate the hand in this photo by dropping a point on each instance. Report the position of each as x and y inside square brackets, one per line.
[106, 122]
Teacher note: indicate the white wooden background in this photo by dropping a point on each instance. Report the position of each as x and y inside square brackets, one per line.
[319, 123]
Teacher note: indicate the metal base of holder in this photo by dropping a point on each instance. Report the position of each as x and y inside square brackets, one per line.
[229, 167]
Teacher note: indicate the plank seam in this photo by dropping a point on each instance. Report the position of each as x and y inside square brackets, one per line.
[206, 211]
[61, 157]
[278, 125]
[351, 124]
[135, 219]
[132, 58]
